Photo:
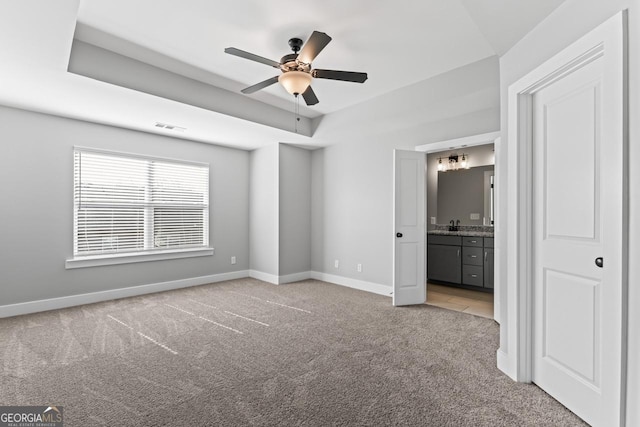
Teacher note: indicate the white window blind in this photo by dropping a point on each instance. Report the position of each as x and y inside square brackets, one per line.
[125, 203]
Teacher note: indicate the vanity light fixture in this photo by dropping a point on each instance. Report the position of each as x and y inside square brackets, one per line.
[454, 162]
[464, 164]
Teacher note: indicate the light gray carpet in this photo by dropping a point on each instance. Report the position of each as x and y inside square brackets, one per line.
[329, 356]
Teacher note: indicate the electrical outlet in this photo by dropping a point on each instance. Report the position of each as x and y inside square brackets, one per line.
[336, 264]
[359, 268]
[475, 216]
[233, 260]
[433, 220]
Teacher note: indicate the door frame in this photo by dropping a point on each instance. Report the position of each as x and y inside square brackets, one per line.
[609, 37]
[472, 141]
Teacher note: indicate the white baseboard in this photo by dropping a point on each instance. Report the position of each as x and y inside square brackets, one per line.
[295, 277]
[265, 277]
[279, 280]
[504, 364]
[362, 285]
[331, 278]
[93, 297]
[74, 300]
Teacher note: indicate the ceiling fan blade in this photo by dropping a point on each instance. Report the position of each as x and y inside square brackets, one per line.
[310, 96]
[313, 47]
[251, 56]
[346, 76]
[256, 87]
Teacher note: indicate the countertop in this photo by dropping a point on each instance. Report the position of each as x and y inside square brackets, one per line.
[461, 233]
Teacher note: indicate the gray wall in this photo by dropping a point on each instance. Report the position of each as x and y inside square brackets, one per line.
[432, 190]
[352, 177]
[280, 212]
[36, 213]
[295, 210]
[317, 210]
[573, 19]
[264, 217]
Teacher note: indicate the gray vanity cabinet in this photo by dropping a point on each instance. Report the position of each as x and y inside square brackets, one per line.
[444, 259]
[460, 260]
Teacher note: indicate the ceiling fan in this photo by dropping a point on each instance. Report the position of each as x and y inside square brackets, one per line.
[296, 69]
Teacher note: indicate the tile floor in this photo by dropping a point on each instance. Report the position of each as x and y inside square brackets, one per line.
[458, 299]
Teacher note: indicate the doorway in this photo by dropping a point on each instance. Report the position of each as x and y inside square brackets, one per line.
[463, 199]
[569, 227]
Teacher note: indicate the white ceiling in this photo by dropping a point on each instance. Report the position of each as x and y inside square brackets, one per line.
[397, 43]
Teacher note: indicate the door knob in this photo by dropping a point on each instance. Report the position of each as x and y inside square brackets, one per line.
[398, 235]
[599, 262]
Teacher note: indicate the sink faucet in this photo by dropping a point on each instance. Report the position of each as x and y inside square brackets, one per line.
[457, 224]
[452, 225]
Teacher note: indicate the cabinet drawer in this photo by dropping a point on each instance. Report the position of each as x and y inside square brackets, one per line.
[488, 242]
[472, 275]
[472, 256]
[472, 241]
[437, 239]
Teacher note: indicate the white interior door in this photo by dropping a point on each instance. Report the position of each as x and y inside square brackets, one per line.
[409, 254]
[578, 218]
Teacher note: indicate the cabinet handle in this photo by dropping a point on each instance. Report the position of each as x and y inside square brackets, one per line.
[473, 275]
[473, 256]
[485, 256]
[473, 241]
[458, 253]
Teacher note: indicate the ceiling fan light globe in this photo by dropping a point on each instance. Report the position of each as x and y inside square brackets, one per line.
[295, 82]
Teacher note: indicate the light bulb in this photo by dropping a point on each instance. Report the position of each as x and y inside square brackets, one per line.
[464, 164]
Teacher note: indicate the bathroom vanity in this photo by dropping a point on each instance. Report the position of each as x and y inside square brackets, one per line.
[462, 258]
[460, 211]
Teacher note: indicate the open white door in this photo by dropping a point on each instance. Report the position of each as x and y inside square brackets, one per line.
[578, 235]
[409, 254]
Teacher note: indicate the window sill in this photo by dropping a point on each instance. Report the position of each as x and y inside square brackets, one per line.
[127, 258]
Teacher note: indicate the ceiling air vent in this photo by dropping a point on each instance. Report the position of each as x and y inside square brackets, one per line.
[170, 127]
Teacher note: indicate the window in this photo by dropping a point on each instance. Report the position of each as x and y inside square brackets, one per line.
[128, 204]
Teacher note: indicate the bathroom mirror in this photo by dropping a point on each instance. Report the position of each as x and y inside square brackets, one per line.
[466, 195]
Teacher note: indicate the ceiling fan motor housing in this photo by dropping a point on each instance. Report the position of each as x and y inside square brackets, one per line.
[295, 44]
[290, 63]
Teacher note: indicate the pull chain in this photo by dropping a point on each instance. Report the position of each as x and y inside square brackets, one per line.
[297, 112]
